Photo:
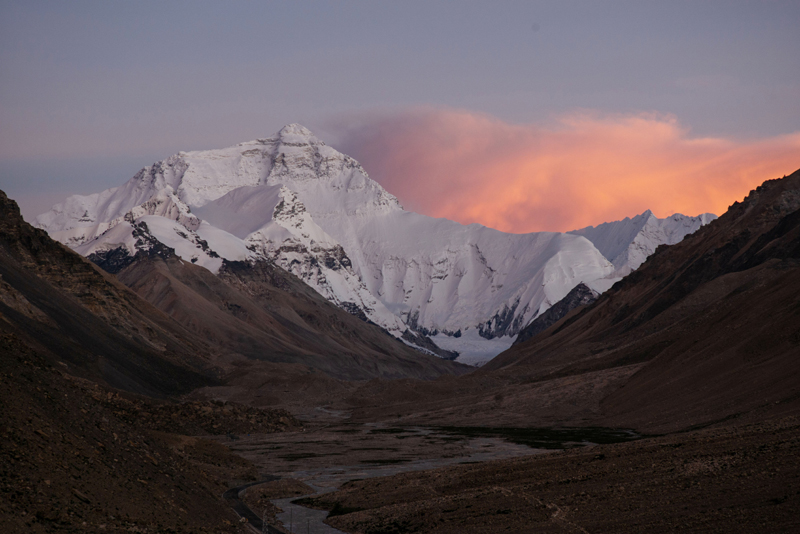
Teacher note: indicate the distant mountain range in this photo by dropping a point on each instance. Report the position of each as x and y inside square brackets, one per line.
[293, 201]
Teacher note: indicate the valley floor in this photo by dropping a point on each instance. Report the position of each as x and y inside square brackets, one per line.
[378, 478]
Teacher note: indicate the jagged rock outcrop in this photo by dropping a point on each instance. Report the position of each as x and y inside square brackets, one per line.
[581, 295]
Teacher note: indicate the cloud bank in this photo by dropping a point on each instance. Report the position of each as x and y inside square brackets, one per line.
[581, 170]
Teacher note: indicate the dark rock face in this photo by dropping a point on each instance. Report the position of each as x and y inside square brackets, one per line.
[580, 295]
[506, 322]
[336, 258]
[420, 336]
[115, 260]
[353, 309]
[413, 324]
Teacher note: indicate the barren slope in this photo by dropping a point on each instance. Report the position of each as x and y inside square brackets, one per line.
[78, 457]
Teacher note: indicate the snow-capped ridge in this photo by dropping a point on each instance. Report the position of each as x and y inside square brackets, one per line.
[164, 204]
[628, 243]
[275, 224]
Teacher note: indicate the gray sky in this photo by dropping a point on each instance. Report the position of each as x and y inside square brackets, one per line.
[92, 91]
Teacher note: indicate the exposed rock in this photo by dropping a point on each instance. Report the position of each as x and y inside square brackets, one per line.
[581, 295]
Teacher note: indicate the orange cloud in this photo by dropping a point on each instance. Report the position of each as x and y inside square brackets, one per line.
[583, 170]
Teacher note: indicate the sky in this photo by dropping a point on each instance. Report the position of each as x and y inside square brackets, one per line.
[523, 116]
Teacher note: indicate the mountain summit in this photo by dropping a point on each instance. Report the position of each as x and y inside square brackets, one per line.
[296, 130]
[315, 212]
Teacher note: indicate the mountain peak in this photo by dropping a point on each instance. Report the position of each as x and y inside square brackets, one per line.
[294, 130]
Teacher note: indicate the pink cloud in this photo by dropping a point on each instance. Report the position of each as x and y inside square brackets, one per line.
[583, 170]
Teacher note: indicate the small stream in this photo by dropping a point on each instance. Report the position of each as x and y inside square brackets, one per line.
[301, 520]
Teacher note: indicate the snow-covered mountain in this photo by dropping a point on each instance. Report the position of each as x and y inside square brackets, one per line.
[628, 243]
[316, 213]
